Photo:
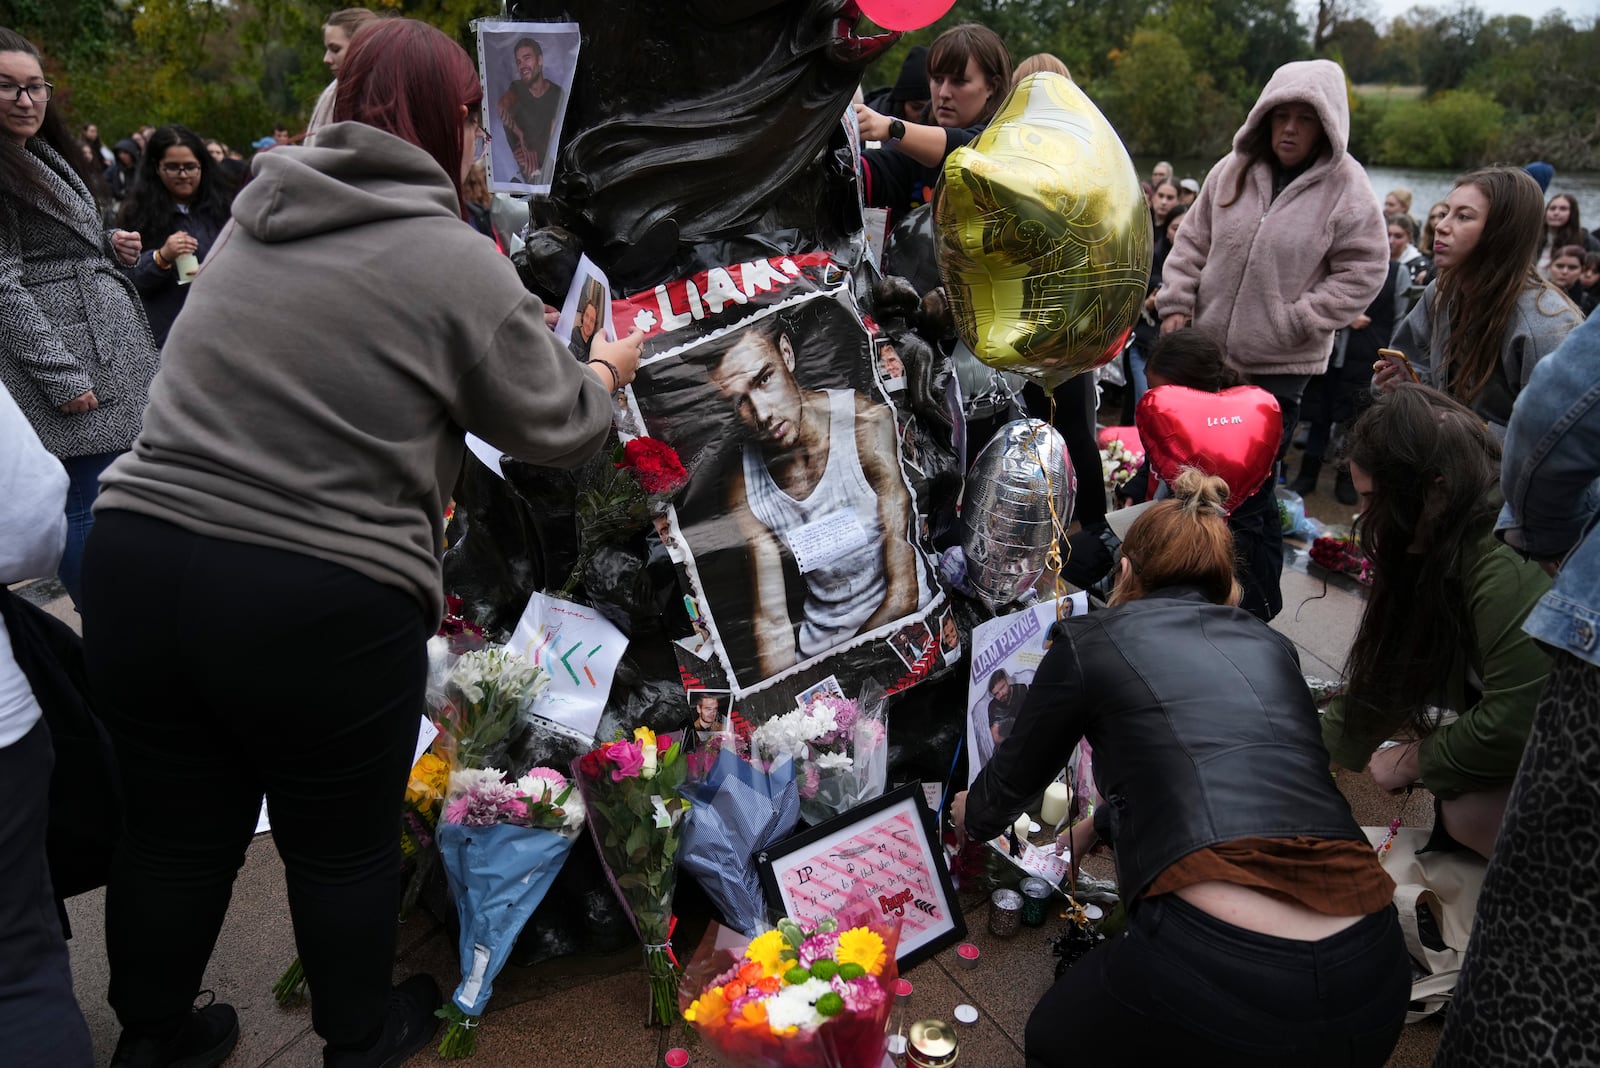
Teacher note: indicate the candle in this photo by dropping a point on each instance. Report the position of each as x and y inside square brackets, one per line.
[967, 955]
[1022, 826]
[1056, 799]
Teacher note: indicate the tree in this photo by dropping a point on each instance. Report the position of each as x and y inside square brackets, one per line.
[1156, 100]
[1356, 45]
[1332, 15]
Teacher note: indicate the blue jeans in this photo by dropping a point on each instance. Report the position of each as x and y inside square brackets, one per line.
[83, 473]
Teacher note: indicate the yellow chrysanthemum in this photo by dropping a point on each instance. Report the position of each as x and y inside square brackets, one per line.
[863, 946]
[766, 950]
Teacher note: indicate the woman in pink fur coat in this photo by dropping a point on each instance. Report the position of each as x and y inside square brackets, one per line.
[1286, 243]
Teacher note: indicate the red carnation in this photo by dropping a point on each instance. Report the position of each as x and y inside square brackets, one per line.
[592, 764]
[655, 464]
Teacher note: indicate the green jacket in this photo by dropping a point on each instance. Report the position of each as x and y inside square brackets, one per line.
[1480, 749]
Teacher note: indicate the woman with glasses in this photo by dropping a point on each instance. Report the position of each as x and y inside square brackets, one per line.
[179, 205]
[289, 487]
[75, 351]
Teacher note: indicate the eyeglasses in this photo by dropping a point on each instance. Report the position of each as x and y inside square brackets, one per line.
[37, 93]
[180, 168]
[480, 141]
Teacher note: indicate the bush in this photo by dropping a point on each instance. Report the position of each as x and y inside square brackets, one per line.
[1453, 129]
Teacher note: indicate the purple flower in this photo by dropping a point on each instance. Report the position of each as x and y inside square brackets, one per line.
[818, 947]
[628, 758]
[861, 995]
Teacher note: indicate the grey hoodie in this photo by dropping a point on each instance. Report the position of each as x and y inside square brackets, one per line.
[340, 336]
[1272, 279]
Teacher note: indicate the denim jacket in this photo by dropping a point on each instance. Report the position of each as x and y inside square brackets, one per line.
[1552, 459]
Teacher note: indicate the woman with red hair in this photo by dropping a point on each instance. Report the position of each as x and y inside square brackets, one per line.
[283, 505]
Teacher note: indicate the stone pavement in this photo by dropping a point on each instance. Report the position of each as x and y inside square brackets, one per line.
[588, 1013]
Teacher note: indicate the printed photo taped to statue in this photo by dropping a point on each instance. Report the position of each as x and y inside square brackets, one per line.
[798, 519]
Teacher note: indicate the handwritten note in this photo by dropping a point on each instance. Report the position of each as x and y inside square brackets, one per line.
[822, 541]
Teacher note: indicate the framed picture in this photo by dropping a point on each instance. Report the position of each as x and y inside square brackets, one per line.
[887, 846]
[527, 73]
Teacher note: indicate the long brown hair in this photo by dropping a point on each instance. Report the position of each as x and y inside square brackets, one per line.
[1572, 232]
[20, 173]
[1434, 466]
[1182, 541]
[1479, 297]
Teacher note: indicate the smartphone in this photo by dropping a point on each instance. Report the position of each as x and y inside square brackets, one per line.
[1399, 357]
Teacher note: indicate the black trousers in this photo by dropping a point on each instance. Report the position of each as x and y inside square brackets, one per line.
[1182, 987]
[224, 671]
[1075, 419]
[40, 1023]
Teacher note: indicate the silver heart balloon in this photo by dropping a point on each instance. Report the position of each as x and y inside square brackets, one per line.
[1006, 524]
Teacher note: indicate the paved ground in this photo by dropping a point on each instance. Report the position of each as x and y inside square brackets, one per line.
[589, 1013]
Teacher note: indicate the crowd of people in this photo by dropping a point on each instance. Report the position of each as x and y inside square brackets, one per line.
[298, 450]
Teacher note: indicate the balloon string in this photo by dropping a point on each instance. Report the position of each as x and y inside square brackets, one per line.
[1054, 562]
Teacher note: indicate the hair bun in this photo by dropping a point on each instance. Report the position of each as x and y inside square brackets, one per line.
[1199, 493]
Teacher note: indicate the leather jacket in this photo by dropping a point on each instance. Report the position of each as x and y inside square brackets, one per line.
[1203, 732]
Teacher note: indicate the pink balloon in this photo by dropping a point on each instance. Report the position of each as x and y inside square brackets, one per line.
[1232, 434]
[905, 15]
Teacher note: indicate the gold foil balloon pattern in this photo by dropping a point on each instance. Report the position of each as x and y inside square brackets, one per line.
[1043, 235]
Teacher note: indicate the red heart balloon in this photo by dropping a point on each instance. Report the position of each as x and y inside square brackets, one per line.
[1233, 434]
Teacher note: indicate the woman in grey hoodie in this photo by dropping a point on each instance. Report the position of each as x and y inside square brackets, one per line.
[284, 505]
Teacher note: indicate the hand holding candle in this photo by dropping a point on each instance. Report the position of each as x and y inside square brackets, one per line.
[1057, 799]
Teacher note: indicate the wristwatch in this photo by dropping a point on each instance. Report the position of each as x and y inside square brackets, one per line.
[897, 129]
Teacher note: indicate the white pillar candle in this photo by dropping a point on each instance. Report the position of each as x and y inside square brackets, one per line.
[1056, 799]
[1022, 826]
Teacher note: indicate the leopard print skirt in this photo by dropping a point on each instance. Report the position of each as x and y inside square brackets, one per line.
[1530, 983]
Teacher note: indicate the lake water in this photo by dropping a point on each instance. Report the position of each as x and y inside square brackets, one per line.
[1429, 187]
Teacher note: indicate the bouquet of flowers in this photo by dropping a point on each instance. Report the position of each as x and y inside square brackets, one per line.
[739, 809]
[503, 843]
[621, 495]
[1120, 464]
[1344, 556]
[840, 749]
[632, 790]
[798, 998]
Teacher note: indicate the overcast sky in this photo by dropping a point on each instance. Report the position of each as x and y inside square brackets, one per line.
[1576, 9]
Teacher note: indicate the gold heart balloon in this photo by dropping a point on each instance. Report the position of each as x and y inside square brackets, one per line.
[1043, 235]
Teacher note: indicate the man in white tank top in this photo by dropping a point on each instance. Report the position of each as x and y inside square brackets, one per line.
[819, 476]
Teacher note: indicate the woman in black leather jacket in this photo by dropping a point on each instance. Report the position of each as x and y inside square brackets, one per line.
[1261, 927]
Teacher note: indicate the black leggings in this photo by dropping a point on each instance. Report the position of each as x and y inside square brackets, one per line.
[1182, 987]
[224, 671]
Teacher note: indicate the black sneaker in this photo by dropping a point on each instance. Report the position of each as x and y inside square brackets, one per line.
[409, 1024]
[204, 1040]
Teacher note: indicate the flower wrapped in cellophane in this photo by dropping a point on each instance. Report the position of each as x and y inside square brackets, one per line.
[503, 841]
[840, 750]
[632, 789]
[740, 808]
[794, 997]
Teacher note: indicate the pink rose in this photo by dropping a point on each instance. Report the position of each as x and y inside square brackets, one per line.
[628, 758]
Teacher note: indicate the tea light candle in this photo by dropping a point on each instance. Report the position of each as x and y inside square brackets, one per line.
[967, 955]
[1054, 809]
[676, 1058]
[1022, 826]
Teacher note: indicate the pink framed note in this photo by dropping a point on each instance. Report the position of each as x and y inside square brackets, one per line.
[886, 846]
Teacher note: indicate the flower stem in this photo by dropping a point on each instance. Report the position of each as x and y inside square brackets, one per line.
[291, 985]
[460, 1034]
[663, 987]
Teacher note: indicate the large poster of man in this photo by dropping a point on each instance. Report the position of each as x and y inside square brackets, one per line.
[798, 524]
[527, 72]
